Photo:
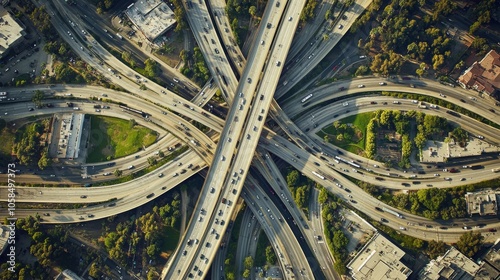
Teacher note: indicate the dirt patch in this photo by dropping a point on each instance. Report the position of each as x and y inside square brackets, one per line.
[388, 145]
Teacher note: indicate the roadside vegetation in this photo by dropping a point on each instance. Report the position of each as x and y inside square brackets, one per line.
[432, 203]
[195, 66]
[53, 249]
[30, 144]
[264, 255]
[300, 187]
[154, 234]
[335, 238]
[113, 138]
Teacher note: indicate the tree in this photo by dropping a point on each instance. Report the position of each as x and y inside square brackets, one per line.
[44, 160]
[270, 256]
[118, 172]
[436, 248]
[246, 273]
[252, 11]
[38, 97]
[470, 243]
[323, 196]
[248, 262]
[151, 68]
[292, 178]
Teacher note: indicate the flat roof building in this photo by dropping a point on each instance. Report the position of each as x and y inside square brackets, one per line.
[483, 203]
[151, 17]
[379, 259]
[452, 265]
[4, 237]
[70, 135]
[11, 32]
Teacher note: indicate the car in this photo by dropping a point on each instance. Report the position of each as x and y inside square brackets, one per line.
[341, 26]
[492, 230]
[131, 167]
[447, 179]
[46, 214]
[161, 175]
[361, 86]
[107, 174]
[249, 80]
[463, 101]
[491, 110]
[262, 42]
[382, 83]
[384, 220]
[31, 109]
[83, 196]
[462, 179]
[290, 18]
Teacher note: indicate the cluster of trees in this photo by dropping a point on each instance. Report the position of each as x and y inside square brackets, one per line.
[308, 11]
[51, 247]
[151, 68]
[405, 30]
[300, 187]
[428, 127]
[195, 66]
[470, 243]
[343, 131]
[481, 13]
[433, 203]
[103, 5]
[334, 236]
[247, 264]
[180, 15]
[239, 11]
[144, 235]
[27, 147]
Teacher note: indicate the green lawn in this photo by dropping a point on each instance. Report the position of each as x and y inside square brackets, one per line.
[170, 237]
[359, 122]
[114, 138]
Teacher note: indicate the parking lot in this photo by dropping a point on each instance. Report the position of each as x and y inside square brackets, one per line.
[26, 64]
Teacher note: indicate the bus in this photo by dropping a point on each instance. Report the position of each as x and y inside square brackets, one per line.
[309, 96]
[318, 175]
[392, 212]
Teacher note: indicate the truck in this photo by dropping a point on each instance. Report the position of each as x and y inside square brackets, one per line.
[392, 212]
[119, 36]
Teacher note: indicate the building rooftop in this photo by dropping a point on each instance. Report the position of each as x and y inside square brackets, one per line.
[70, 135]
[151, 17]
[10, 31]
[379, 259]
[4, 236]
[483, 76]
[482, 203]
[439, 151]
[452, 265]
[67, 275]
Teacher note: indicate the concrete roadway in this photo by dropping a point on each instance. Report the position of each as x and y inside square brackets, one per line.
[225, 148]
[313, 57]
[272, 175]
[367, 203]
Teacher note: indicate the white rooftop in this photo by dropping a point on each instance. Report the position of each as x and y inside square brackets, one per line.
[10, 31]
[379, 260]
[152, 17]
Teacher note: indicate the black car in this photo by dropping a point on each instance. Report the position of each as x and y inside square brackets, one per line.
[384, 220]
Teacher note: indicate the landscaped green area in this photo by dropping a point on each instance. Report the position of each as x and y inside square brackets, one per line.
[114, 138]
[348, 133]
[7, 140]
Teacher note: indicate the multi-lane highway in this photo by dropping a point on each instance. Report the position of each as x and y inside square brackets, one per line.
[241, 133]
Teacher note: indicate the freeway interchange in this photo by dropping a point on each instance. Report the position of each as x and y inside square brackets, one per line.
[226, 148]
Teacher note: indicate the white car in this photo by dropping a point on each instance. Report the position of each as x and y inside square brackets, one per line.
[382, 83]
[361, 86]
